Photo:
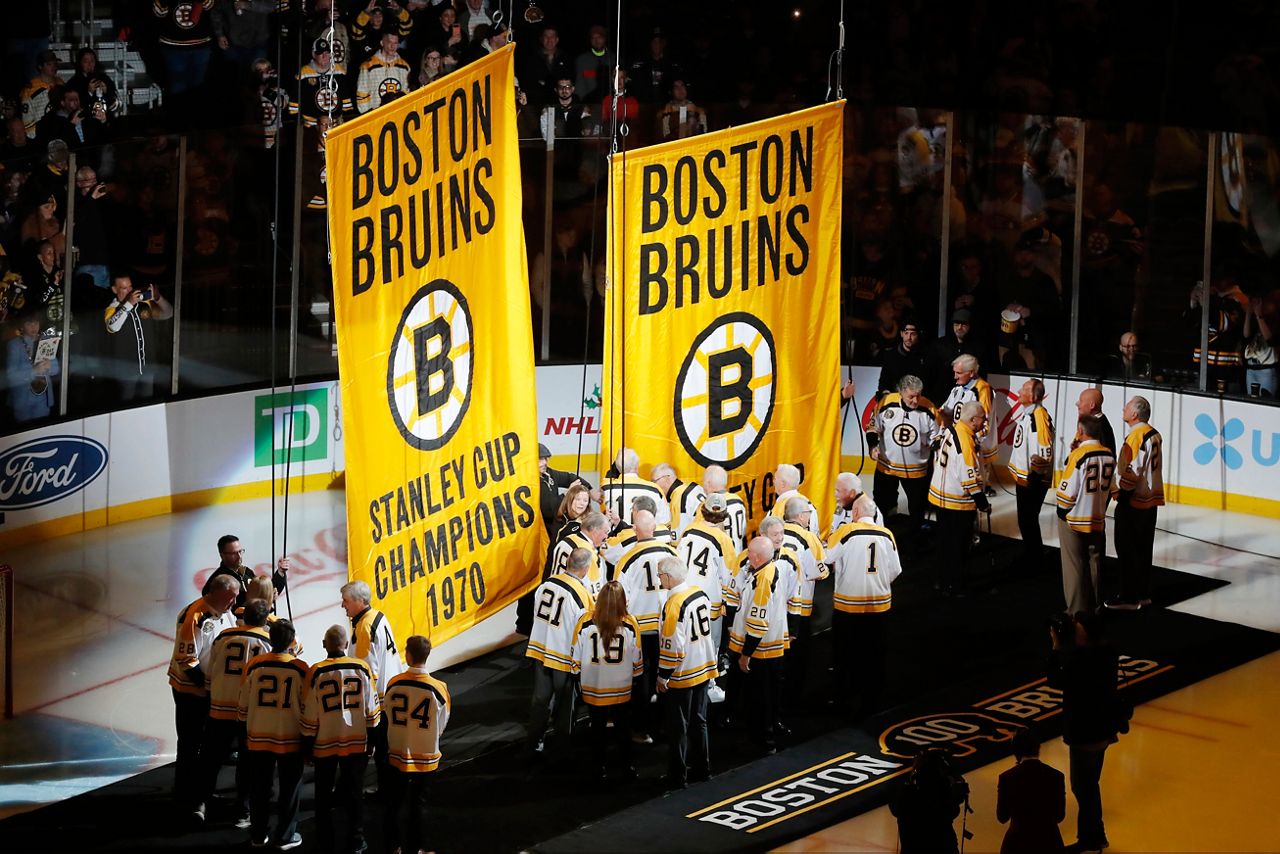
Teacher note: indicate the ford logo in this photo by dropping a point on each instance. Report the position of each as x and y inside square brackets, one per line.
[43, 470]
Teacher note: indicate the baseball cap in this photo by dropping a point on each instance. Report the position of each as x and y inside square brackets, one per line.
[45, 56]
[962, 316]
[320, 46]
[543, 451]
[717, 502]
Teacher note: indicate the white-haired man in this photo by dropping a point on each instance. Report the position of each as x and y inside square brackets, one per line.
[903, 430]
[758, 640]
[591, 535]
[622, 484]
[716, 479]
[1139, 494]
[805, 545]
[971, 388]
[1031, 464]
[637, 570]
[686, 667]
[848, 490]
[373, 642]
[956, 492]
[682, 497]
[786, 482]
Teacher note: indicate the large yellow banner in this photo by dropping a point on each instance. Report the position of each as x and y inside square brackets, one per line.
[723, 332]
[435, 352]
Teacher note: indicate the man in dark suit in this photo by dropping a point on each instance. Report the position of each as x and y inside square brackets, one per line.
[1032, 798]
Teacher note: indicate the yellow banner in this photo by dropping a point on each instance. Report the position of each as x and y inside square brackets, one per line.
[435, 352]
[722, 339]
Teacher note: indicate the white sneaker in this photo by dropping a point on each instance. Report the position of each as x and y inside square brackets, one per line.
[243, 822]
[198, 812]
[293, 842]
[715, 694]
[641, 738]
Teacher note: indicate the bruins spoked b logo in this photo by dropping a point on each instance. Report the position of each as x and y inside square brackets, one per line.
[430, 369]
[726, 389]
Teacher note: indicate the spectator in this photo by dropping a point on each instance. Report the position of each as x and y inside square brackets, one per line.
[490, 39]
[134, 350]
[186, 31]
[69, 122]
[473, 15]
[380, 18]
[1259, 350]
[542, 71]
[445, 35]
[1127, 363]
[868, 285]
[43, 278]
[36, 95]
[43, 224]
[319, 25]
[97, 91]
[1226, 305]
[383, 74]
[242, 29]
[567, 294]
[321, 88]
[431, 69]
[909, 357]
[956, 343]
[652, 75]
[31, 389]
[593, 68]
[268, 104]
[628, 106]
[973, 291]
[1112, 249]
[17, 152]
[680, 118]
[1029, 322]
[927, 804]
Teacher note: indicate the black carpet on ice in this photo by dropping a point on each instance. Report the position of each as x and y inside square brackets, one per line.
[963, 672]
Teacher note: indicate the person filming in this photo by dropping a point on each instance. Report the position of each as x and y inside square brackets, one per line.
[926, 805]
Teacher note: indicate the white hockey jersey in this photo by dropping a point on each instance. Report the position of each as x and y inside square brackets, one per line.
[606, 670]
[865, 561]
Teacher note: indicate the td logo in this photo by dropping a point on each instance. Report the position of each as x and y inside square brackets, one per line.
[725, 391]
[290, 427]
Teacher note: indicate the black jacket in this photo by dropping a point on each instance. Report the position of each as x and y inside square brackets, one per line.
[897, 363]
[1086, 676]
[549, 500]
[244, 576]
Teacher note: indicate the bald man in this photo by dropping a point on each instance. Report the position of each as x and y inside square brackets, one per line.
[637, 570]
[1127, 363]
[758, 640]
[1089, 405]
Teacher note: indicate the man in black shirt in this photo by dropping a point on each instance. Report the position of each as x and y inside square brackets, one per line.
[909, 357]
[232, 563]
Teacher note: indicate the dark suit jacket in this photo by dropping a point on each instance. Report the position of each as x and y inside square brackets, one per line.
[1032, 797]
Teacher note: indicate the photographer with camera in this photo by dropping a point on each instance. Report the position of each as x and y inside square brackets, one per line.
[926, 805]
[133, 351]
[1084, 668]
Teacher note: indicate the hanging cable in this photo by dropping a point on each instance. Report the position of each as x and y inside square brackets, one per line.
[837, 56]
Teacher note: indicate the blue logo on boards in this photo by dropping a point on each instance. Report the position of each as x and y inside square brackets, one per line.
[44, 470]
[1220, 443]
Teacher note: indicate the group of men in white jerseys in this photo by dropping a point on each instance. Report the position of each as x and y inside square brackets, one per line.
[759, 592]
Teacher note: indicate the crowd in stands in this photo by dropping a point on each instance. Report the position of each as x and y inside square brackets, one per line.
[239, 76]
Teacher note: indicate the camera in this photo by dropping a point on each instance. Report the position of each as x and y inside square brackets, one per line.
[1063, 626]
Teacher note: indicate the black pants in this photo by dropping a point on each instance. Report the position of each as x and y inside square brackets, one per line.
[955, 538]
[762, 688]
[553, 692]
[406, 793]
[219, 735]
[347, 772]
[858, 652]
[643, 713]
[1030, 501]
[602, 734]
[797, 659]
[884, 490]
[687, 743]
[190, 714]
[378, 750]
[1135, 542]
[1086, 776]
[261, 767]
